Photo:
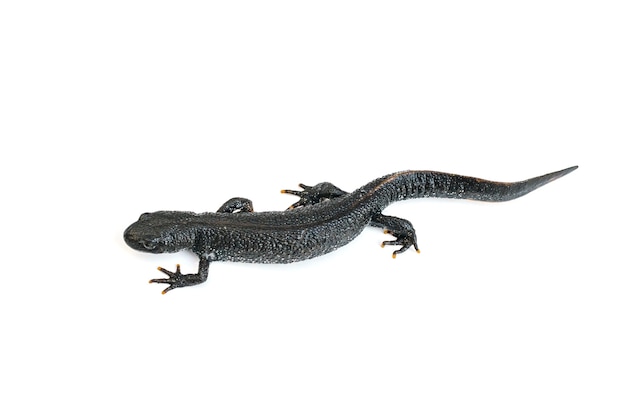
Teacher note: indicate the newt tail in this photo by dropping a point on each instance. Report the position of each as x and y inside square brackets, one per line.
[431, 184]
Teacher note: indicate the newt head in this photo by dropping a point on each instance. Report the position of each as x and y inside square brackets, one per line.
[158, 232]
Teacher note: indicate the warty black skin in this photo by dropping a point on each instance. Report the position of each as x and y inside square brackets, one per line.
[324, 219]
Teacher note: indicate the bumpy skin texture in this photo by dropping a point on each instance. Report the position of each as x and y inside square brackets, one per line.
[324, 219]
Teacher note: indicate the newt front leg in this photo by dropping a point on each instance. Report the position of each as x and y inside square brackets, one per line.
[178, 280]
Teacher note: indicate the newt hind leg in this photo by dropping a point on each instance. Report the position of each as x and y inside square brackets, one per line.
[399, 228]
[315, 194]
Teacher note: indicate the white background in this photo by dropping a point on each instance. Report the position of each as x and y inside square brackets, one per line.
[111, 109]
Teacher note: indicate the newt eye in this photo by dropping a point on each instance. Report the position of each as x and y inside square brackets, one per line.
[144, 216]
[148, 245]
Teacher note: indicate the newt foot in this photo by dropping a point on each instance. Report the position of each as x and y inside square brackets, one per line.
[176, 279]
[314, 195]
[404, 239]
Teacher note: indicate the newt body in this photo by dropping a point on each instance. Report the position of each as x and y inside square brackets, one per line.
[324, 219]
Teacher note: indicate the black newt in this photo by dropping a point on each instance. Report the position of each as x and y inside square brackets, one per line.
[324, 219]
